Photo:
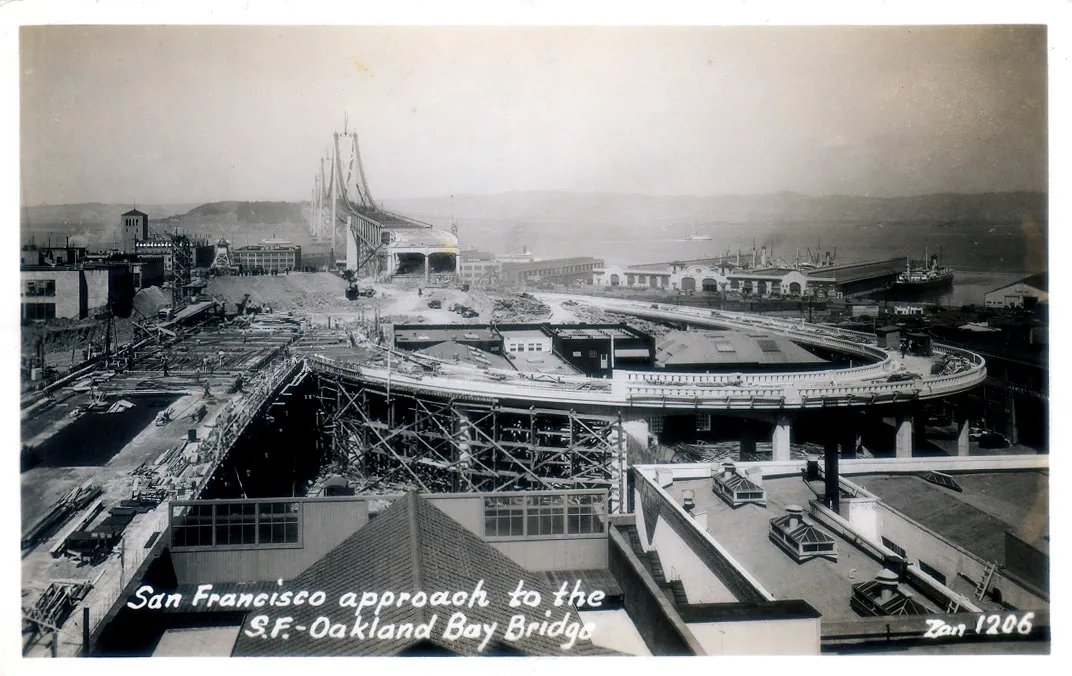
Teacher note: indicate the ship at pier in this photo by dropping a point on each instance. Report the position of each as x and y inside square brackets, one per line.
[920, 277]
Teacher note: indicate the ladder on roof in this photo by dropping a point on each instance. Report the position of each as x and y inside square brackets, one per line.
[980, 590]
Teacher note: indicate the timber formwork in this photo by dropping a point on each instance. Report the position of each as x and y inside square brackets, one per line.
[392, 439]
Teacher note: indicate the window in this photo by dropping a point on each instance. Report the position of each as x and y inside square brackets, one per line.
[539, 347]
[236, 524]
[192, 529]
[656, 424]
[891, 545]
[591, 354]
[504, 516]
[582, 514]
[932, 572]
[240, 523]
[278, 522]
[545, 515]
[40, 287]
[539, 515]
[32, 311]
[703, 422]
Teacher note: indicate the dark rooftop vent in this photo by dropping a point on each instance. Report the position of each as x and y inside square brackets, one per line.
[799, 538]
[882, 597]
[942, 479]
[734, 488]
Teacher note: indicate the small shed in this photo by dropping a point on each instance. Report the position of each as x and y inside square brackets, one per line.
[889, 337]
[919, 344]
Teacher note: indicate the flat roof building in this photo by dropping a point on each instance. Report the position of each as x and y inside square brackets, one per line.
[708, 351]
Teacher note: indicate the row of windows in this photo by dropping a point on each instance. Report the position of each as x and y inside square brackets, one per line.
[38, 311]
[520, 347]
[534, 515]
[248, 523]
[39, 287]
[592, 354]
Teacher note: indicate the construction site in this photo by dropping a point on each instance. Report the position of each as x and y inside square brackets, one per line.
[389, 374]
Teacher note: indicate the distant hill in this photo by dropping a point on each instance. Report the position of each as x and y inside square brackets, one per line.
[242, 213]
[787, 207]
[90, 214]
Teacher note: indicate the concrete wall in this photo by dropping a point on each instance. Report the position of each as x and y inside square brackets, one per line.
[652, 613]
[687, 551]
[948, 558]
[680, 562]
[67, 297]
[97, 288]
[758, 637]
[325, 523]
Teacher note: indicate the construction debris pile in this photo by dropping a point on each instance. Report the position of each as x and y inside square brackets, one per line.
[946, 365]
[149, 301]
[731, 450]
[307, 292]
[53, 606]
[522, 308]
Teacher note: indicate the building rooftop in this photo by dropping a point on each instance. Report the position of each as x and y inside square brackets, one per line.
[459, 352]
[825, 584]
[583, 332]
[729, 348]
[1039, 281]
[550, 263]
[542, 362]
[849, 272]
[425, 238]
[459, 333]
[525, 333]
[976, 518]
[415, 546]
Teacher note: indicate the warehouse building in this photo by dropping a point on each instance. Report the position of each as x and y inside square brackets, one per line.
[1025, 293]
[74, 292]
[271, 255]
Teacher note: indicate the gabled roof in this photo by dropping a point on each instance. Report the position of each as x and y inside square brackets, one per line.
[135, 212]
[1039, 281]
[413, 546]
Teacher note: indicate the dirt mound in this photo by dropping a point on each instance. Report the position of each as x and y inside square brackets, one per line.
[299, 291]
[149, 300]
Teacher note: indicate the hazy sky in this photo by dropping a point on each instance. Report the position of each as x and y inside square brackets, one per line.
[189, 114]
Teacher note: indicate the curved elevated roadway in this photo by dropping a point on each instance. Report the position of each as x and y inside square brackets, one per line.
[888, 378]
